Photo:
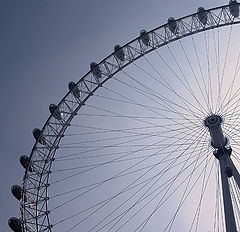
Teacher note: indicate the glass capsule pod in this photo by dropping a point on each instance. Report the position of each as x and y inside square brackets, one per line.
[54, 110]
[234, 8]
[38, 136]
[74, 89]
[95, 70]
[172, 25]
[202, 15]
[17, 192]
[119, 53]
[26, 163]
[145, 38]
[15, 224]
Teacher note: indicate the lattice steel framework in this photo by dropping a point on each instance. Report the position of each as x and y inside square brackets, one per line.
[34, 211]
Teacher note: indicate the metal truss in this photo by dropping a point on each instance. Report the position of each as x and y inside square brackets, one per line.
[34, 204]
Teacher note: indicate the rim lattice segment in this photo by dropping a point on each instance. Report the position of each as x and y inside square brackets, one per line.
[34, 211]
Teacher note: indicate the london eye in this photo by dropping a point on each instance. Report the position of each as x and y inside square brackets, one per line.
[147, 140]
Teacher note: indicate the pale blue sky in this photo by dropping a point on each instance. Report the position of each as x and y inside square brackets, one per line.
[45, 44]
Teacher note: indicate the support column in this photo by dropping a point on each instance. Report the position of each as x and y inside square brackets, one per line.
[222, 153]
[227, 200]
[235, 172]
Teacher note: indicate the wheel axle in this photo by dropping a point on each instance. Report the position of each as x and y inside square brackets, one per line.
[213, 123]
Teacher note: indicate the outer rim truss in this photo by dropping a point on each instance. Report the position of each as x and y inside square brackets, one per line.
[34, 211]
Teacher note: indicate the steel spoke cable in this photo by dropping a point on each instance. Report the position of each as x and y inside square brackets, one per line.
[126, 131]
[227, 104]
[124, 116]
[229, 91]
[87, 217]
[160, 192]
[203, 189]
[204, 186]
[167, 182]
[159, 205]
[97, 149]
[233, 106]
[102, 155]
[200, 68]
[230, 122]
[221, 201]
[92, 165]
[233, 121]
[236, 155]
[166, 85]
[217, 59]
[234, 201]
[143, 195]
[168, 189]
[175, 74]
[184, 101]
[155, 94]
[232, 136]
[159, 96]
[131, 102]
[123, 156]
[210, 94]
[161, 134]
[216, 213]
[235, 96]
[116, 175]
[183, 197]
[131, 153]
[237, 197]
[158, 133]
[172, 179]
[162, 185]
[133, 135]
[175, 189]
[128, 173]
[163, 99]
[202, 194]
[118, 116]
[230, 128]
[224, 65]
[184, 77]
[129, 117]
[161, 162]
[120, 146]
[194, 74]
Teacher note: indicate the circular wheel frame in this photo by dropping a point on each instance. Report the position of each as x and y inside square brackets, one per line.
[34, 211]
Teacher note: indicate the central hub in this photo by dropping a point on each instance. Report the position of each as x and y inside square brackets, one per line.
[213, 123]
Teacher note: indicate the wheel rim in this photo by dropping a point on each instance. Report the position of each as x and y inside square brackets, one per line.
[36, 184]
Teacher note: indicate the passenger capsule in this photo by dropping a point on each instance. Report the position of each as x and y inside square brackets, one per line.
[172, 25]
[202, 15]
[119, 53]
[95, 70]
[234, 8]
[15, 224]
[38, 136]
[54, 110]
[75, 90]
[25, 162]
[144, 36]
[17, 191]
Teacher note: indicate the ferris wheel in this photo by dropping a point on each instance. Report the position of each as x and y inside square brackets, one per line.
[147, 140]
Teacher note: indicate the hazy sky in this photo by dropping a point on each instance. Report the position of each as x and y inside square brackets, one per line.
[45, 44]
